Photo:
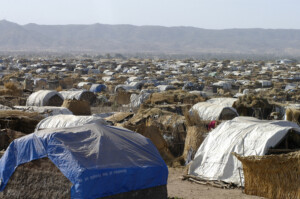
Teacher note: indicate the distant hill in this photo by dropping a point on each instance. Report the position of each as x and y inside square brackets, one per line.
[146, 39]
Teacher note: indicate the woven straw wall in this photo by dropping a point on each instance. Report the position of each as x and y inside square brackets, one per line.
[272, 176]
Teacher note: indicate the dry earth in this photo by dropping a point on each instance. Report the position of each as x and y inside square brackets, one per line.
[189, 190]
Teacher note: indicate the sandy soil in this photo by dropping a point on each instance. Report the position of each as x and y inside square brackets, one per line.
[189, 190]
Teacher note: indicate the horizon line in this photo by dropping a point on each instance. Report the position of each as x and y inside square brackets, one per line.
[164, 26]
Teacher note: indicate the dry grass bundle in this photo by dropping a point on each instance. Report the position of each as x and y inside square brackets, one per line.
[37, 179]
[87, 87]
[7, 136]
[171, 126]
[24, 122]
[193, 119]
[174, 97]
[10, 86]
[194, 138]
[67, 82]
[59, 88]
[121, 97]
[77, 107]
[196, 130]
[11, 89]
[293, 115]
[272, 176]
[17, 113]
[119, 117]
[247, 103]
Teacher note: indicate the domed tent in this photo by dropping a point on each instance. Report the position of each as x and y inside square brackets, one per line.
[245, 136]
[45, 98]
[210, 111]
[97, 88]
[98, 160]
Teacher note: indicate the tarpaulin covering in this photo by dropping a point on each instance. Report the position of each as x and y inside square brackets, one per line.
[223, 101]
[97, 88]
[210, 111]
[245, 136]
[41, 97]
[62, 121]
[99, 160]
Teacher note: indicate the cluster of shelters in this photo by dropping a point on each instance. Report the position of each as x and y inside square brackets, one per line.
[205, 114]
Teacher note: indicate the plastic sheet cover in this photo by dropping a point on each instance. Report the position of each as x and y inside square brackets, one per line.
[244, 135]
[41, 97]
[210, 111]
[62, 121]
[99, 160]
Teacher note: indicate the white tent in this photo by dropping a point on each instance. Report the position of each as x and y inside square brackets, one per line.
[223, 101]
[42, 97]
[137, 100]
[242, 135]
[61, 121]
[165, 87]
[223, 84]
[82, 84]
[210, 111]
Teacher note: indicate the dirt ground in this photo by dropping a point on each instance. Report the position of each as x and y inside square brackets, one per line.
[190, 190]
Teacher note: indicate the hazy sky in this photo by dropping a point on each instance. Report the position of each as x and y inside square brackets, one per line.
[212, 14]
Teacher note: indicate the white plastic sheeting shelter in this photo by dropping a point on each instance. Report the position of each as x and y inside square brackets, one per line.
[42, 97]
[137, 100]
[223, 101]
[62, 121]
[73, 94]
[165, 87]
[243, 135]
[265, 83]
[223, 84]
[82, 84]
[2, 107]
[209, 111]
[46, 110]
[124, 87]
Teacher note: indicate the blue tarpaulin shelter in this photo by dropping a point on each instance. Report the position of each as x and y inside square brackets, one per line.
[99, 160]
[97, 88]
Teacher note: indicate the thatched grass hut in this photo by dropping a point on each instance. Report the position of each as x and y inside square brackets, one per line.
[272, 176]
[24, 122]
[37, 179]
[253, 105]
[77, 107]
[242, 135]
[45, 98]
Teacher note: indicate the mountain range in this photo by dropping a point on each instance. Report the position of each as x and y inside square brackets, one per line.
[104, 38]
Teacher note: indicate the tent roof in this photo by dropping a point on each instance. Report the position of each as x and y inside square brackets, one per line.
[61, 121]
[99, 160]
[210, 111]
[243, 135]
[41, 97]
[223, 101]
